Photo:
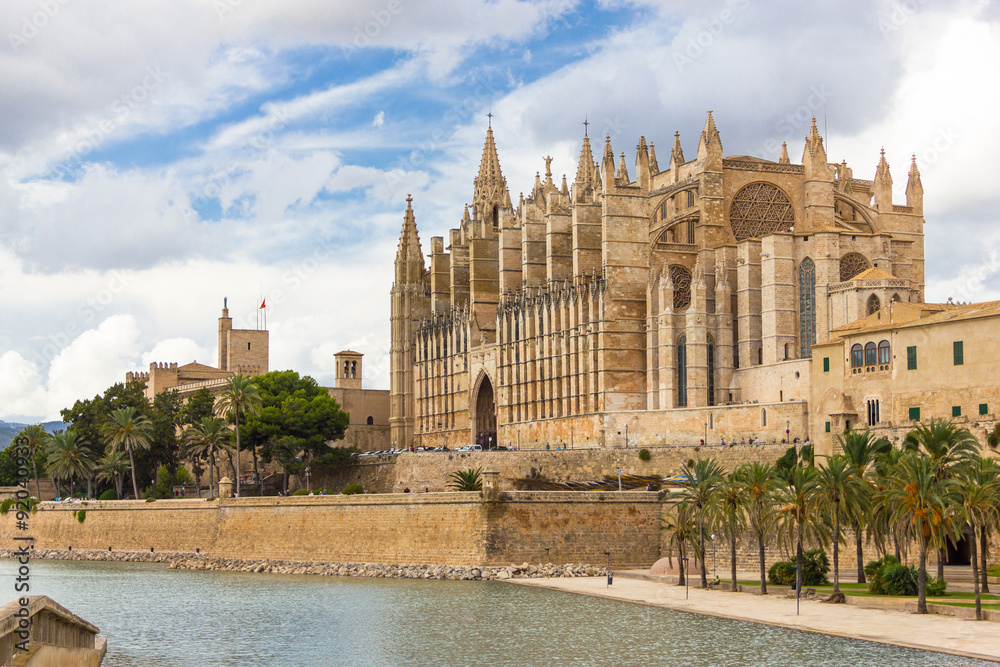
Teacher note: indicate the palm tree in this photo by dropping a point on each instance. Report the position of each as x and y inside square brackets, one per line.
[698, 490]
[240, 395]
[206, 440]
[730, 513]
[843, 495]
[37, 441]
[761, 483]
[948, 446]
[466, 480]
[68, 457]
[130, 432]
[921, 500]
[978, 488]
[801, 517]
[880, 476]
[112, 468]
[681, 523]
[861, 449]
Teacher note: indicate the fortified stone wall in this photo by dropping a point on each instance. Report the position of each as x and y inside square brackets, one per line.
[437, 528]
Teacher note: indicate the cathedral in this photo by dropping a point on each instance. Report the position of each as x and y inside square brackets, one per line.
[659, 306]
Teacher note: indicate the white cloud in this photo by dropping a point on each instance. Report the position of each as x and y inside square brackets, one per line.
[379, 119]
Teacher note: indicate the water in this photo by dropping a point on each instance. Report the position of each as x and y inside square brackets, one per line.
[154, 616]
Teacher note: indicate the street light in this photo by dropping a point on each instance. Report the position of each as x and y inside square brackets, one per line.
[687, 576]
[610, 578]
[713, 556]
[307, 479]
[619, 471]
[626, 435]
[705, 442]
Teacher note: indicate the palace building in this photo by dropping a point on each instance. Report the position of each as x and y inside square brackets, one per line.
[661, 305]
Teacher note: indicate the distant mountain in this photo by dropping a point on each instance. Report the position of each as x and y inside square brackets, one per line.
[10, 429]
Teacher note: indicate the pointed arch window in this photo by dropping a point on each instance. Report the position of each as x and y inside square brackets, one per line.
[681, 278]
[807, 307]
[874, 305]
[711, 371]
[682, 372]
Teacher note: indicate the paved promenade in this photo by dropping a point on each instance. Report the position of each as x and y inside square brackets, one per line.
[928, 632]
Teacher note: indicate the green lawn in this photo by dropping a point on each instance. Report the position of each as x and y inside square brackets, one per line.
[861, 590]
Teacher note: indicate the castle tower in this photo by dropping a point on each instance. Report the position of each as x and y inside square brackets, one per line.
[348, 370]
[225, 326]
[410, 302]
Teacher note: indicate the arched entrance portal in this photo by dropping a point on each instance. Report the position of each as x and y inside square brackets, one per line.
[484, 426]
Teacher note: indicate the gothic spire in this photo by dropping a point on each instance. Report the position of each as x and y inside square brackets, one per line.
[622, 174]
[654, 168]
[915, 189]
[677, 154]
[490, 185]
[784, 154]
[585, 170]
[409, 257]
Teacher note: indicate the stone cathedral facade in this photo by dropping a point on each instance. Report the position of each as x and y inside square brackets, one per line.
[661, 305]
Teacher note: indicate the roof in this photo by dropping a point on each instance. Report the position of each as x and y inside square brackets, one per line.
[874, 273]
[195, 366]
[907, 315]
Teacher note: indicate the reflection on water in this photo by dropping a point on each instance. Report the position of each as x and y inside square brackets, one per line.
[154, 616]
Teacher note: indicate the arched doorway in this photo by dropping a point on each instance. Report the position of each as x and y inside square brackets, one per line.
[484, 425]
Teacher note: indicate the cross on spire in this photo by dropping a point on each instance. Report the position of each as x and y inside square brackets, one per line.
[490, 116]
[586, 123]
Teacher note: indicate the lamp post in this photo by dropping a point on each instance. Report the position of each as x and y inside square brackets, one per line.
[608, 554]
[706, 433]
[626, 435]
[687, 576]
[619, 471]
[713, 555]
[571, 437]
[308, 474]
[788, 431]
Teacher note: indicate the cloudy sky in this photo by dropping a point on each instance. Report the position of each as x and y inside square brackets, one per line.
[158, 156]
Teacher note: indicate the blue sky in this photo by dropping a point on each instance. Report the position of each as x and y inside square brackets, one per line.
[156, 157]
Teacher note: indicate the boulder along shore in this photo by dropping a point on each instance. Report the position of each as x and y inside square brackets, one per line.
[189, 561]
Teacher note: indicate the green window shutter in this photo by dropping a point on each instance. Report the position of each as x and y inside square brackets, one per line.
[911, 358]
[959, 352]
[915, 414]
[984, 408]
[826, 364]
[956, 411]
[828, 427]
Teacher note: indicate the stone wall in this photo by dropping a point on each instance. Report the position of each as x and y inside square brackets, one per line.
[418, 471]
[437, 528]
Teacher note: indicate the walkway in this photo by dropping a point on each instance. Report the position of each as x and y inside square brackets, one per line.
[927, 632]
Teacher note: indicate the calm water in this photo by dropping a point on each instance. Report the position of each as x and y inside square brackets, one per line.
[154, 616]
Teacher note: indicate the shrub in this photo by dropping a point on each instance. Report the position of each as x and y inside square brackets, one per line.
[782, 573]
[898, 579]
[352, 489]
[466, 480]
[110, 494]
[300, 492]
[935, 588]
[6, 505]
[644, 455]
[815, 565]
[150, 500]
[81, 515]
[873, 570]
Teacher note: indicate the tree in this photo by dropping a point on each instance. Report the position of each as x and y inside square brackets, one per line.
[130, 432]
[683, 531]
[978, 490]
[948, 446]
[801, 517]
[68, 457]
[206, 440]
[112, 468]
[37, 442]
[842, 495]
[730, 505]
[761, 483]
[861, 449]
[921, 501]
[297, 420]
[199, 405]
[239, 396]
[698, 490]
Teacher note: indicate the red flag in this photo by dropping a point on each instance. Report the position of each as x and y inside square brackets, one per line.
[263, 303]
